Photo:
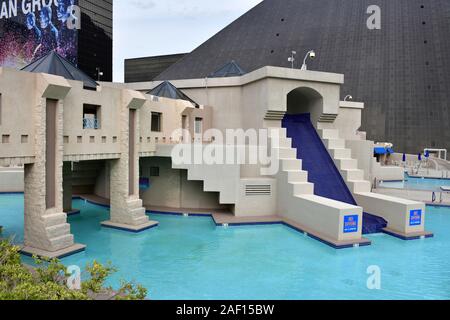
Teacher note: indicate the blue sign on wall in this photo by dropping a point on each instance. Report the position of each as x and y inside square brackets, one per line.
[351, 224]
[415, 218]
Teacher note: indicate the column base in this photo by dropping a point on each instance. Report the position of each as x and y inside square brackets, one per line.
[130, 228]
[408, 236]
[76, 248]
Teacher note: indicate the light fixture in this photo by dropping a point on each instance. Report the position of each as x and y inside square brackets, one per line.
[99, 73]
[291, 59]
[348, 98]
[310, 54]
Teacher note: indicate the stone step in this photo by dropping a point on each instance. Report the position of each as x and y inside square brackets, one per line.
[54, 219]
[137, 213]
[141, 220]
[195, 175]
[62, 242]
[291, 164]
[282, 142]
[334, 144]
[303, 188]
[226, 199]
[135, 204]
[346, 164]
[297, 176]
[58, 230]
[281, 132]
[341, 153]
[329, 133]
[354, 174]
[359, 186]
[287, 153]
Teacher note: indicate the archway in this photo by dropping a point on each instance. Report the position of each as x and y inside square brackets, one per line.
[305, 100]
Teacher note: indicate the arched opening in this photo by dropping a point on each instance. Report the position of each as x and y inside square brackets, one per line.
[305, 100]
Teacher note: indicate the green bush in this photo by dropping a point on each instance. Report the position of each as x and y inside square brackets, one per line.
[47, 281]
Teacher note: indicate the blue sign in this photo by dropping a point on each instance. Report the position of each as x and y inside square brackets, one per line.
[415, 218]
[351, 224]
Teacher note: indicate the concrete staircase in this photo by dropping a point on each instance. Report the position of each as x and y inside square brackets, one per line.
[347, 166]
[291, 167]
[318, 216]
[395, 211]
[223, 179]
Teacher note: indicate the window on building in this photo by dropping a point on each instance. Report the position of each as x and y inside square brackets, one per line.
[198, 125]
[156, 122]
[91, 116]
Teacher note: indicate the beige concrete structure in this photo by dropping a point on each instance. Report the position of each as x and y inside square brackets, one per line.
[42, 128]
[262, 98]
[132, 135]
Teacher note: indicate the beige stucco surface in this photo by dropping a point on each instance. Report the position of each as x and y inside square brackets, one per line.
[105, 163]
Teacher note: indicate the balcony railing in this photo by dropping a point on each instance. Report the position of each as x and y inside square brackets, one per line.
[89, 123]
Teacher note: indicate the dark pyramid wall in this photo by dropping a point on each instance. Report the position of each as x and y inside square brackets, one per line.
[401, 72]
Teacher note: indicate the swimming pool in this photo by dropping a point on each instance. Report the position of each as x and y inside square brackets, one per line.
[191, 258]
[412, 183]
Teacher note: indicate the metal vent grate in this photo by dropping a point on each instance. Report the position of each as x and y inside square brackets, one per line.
[258, 190]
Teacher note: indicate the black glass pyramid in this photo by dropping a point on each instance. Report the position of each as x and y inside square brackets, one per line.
[53, 63]
[401, 71]
[231, 69]
[168, 90]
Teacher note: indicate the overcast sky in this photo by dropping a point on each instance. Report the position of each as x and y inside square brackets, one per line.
[155, 27]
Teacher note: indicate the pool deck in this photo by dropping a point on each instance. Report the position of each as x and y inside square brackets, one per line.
[416, 195]
[225, 218]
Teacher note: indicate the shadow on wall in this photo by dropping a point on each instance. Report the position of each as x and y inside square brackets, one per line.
[171, 188]
[305, 100]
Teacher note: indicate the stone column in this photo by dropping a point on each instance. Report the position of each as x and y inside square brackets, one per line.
[127, 212]
[67, 190]
[47, 232]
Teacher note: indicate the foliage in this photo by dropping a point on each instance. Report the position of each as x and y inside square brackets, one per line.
[47, 281]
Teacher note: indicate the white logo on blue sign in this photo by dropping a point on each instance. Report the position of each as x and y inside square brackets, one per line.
[351, 224]
[415, 218]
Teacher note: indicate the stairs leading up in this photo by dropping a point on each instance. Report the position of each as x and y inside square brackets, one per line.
[333, 178]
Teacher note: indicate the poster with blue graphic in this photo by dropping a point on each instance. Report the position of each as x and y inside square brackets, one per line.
[415, 218]
[351, 224]
[29, 29]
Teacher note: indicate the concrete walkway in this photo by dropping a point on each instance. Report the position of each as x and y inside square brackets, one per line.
[416, 195]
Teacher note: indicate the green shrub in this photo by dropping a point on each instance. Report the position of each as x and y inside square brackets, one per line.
[47, 281]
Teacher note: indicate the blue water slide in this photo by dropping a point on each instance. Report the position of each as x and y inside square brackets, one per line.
[322, 171]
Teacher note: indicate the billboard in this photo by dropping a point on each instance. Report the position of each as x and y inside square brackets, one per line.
[30, 29]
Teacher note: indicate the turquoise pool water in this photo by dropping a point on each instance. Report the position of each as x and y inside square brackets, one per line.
[412, 183]
[191, 258]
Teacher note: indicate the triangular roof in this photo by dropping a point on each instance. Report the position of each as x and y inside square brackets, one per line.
[168, 90]
[53, 63]
[231, 69]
